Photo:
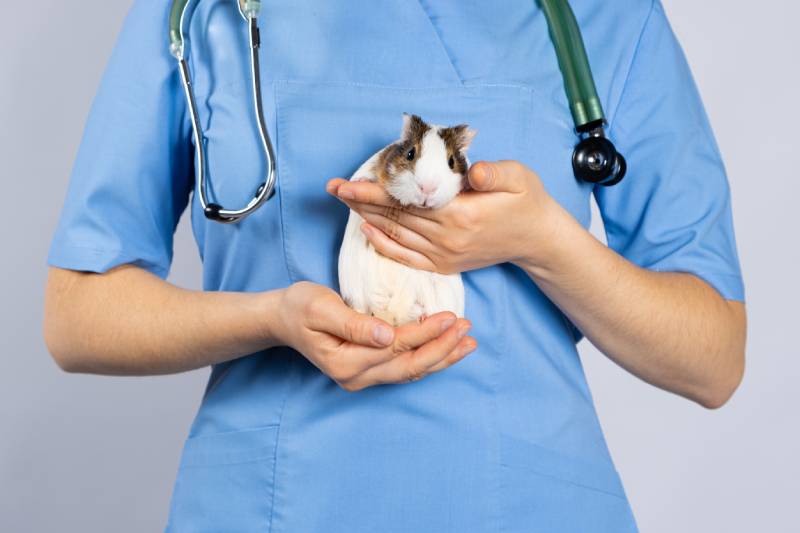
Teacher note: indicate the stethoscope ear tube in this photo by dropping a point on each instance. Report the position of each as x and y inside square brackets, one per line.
[214, 211]
[249, 9]
[574, 64]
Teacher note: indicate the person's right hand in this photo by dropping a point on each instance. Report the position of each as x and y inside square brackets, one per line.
[358, 351]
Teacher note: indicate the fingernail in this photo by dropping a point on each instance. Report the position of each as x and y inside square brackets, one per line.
[347, 195]
[366, 230]
[382, 334]
[469, 348]
[463, 330]
[445, 325]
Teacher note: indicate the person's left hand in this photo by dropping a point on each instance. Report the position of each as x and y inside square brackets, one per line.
[507, 217]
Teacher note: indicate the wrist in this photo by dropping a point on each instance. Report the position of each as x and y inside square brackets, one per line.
[266, 308]
[543, 247]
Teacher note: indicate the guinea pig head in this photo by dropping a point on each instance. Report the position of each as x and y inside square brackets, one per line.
[428, 166]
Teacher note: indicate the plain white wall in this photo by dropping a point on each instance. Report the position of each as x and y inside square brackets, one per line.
[92, 454]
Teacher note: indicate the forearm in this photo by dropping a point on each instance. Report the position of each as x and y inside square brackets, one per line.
[670, 329]
[130, 322]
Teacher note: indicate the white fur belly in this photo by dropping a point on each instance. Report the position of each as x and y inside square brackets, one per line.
[373, 284]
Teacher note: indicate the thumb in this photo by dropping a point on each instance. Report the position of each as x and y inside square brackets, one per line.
[347, 324]
[497, 176]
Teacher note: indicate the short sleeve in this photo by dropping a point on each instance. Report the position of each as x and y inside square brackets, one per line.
[673, 210]
[132, 176]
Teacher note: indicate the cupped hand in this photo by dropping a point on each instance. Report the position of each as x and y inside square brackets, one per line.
[506, 217]
[358, 351]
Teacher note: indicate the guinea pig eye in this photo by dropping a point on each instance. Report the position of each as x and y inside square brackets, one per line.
[451, 162]
[411, 154]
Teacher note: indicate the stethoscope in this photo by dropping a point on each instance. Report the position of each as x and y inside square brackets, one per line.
[594, 159]
[179, 16]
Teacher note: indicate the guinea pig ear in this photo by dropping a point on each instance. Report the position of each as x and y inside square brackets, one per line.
[468, 136]
[412, 124]
[464, 136]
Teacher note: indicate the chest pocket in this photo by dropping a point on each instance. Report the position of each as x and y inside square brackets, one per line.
[328, 130]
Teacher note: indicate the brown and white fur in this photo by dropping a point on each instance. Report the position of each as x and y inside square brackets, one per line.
[427, 168]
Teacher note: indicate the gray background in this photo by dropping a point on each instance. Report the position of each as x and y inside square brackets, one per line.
[91, 454]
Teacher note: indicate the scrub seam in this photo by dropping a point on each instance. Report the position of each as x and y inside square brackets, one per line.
[256, 460]
[584, 486]
[634, 57]
[442, 46]
[497, 434]
[356, 84]
[289, 388]
[282, 181]
[501, 525]
[120, 257]
[505, 269]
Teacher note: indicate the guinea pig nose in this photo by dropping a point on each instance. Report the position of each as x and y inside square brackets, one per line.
[428, 188]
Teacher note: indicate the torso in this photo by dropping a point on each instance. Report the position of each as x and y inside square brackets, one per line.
[506, 440]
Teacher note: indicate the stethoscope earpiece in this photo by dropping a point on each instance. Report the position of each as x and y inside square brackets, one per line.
[596, 160]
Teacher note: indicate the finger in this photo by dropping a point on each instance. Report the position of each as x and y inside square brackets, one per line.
[364, 191]
[396, 249]
[333, 185]
[407, 338]
[410, 237]
[415, 365]
[370, 193]
[422, 219]
[464, 348]
[431, 353]
[498, 176]
[411, 336]
[336, 318]
[395, 210]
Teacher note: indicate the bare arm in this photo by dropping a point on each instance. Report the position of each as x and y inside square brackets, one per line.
[130, 322]
[670, 329]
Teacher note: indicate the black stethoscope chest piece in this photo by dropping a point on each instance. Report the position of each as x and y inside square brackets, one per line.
[596, 160]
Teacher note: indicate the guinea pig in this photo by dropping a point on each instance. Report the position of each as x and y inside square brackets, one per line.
[427, 167]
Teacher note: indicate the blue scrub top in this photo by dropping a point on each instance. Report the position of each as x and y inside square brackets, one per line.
[508, 439]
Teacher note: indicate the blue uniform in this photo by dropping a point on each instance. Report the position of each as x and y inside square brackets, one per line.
[506, 440]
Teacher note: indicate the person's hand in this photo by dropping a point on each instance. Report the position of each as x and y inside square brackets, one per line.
[358, 351]
[507, 217]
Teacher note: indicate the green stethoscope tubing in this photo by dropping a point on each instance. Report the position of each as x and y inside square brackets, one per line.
[578, 80]
[594, 159]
